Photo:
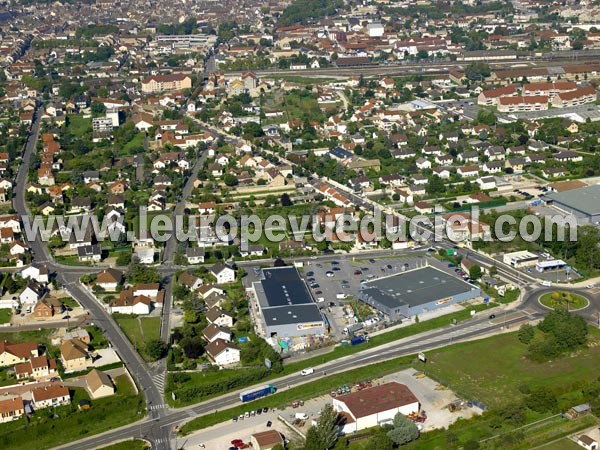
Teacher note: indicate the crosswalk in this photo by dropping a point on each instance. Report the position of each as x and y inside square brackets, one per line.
[159, 381]
[157, 407]
[161, 441]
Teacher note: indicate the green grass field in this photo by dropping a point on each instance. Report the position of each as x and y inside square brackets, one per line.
[140, 330]
[560, 299]
[5, 315]
[497, 366]
[563, 444]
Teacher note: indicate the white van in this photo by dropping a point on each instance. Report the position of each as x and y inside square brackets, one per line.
[546, 283]
[301, 416]
[308, 371]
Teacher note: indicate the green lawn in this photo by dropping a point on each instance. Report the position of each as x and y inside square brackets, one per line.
[16, 337]
[563, 444]
[134, 444]
[69, 301]
[78, 125]
[5, 315]
[496, 367]
[560, 299]
[52, 427]
[139, 330]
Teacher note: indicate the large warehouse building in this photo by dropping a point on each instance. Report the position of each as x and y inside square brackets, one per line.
[583, 203]
[285, 304]
[375, 406]
[415, 292]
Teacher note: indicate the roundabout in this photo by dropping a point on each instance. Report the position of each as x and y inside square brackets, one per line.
[564, 299]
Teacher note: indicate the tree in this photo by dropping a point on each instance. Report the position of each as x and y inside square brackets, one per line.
[253, 129]
[380, 442]
[404, 430]
[156, 349]
[98, 108]
[477, 71]
[541, 400]
[139, 273]
[475, 272]
[230, 179]
[526, 333]
[324, 435]
[285, 200]
[11, 285]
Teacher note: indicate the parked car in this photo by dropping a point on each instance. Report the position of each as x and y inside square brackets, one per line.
[269, 423]
[492, 316]
[357, 272]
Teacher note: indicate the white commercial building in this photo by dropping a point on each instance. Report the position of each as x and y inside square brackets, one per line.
[375, 406]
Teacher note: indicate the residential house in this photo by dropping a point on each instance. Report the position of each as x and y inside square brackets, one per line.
[50, 396]
[223, 353]
[11, 354]
[195, 255]
[109, 279]
[36, 272]
[468, 171]
[190, 281]
[47, 307]
[11, 409]
[32, 293]
[90, 253]
[98, 384]
[219, 317]
[223, 274]
[74, 355]
[38, 367]
[213, 332]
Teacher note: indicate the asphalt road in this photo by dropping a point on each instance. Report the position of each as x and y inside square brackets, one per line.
[70, 278]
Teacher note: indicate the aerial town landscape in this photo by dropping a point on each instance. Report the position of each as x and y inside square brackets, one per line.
[300, 224]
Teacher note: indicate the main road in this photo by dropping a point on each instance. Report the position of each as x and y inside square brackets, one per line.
[69, 278]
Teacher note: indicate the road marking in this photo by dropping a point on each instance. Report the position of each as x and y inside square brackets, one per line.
[159, 381]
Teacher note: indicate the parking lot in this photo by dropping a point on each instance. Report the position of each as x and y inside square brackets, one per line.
[339, 280]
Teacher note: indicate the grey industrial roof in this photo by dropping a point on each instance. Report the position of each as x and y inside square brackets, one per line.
[416, 287]
[284, 298]
[281, 286]
[586, 199]
[286, 315]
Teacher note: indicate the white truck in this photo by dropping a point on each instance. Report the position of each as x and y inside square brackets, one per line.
[301, 416]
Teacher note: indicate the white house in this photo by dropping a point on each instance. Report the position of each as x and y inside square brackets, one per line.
[127, 304]
[587, 442]
[195, 255]
[375, 406]
[219, 317]
[223, 353]
[223, 273]
[190, 281]
[486, 183]
[148, 289]
[109, 279]
[50, 396]
[213, 332]
[35, 272]
[31, 294]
